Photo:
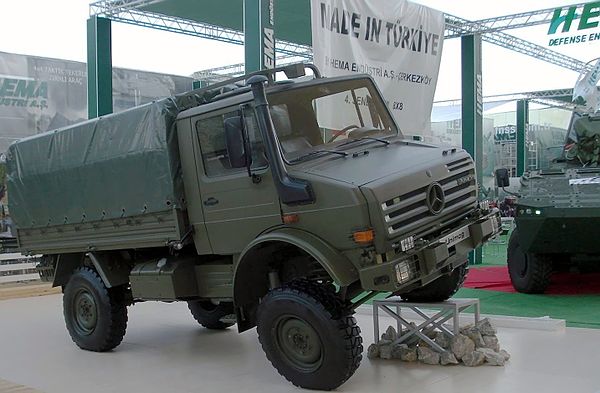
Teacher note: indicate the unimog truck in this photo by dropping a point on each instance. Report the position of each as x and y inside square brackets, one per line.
[558, 211]
[277, 204]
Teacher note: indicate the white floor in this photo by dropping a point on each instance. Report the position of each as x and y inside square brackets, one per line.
[164, 351]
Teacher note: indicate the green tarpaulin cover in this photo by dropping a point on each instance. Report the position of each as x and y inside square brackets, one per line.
[120, 165]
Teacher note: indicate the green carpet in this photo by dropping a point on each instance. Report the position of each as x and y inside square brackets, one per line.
[578, 311]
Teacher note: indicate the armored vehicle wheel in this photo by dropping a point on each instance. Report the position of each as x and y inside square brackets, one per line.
[210, 315]
[529, 273]
[96, 316]
[440, 289]
[311, 342]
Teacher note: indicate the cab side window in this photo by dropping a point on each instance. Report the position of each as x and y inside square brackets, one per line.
[211, 135]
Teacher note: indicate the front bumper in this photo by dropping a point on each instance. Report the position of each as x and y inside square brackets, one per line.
[427, 262]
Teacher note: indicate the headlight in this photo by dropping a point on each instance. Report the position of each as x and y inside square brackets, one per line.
[484, 205]
[404, 272]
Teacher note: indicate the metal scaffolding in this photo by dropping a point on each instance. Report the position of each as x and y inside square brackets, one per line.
[513, 21]
[458, 27]
[128, 11]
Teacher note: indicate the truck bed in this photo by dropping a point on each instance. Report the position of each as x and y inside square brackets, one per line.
[112, 182]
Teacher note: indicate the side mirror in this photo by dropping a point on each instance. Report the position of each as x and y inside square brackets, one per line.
[234, 139]
[502, 177]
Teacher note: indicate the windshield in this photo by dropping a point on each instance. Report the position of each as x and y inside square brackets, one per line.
[323, 118]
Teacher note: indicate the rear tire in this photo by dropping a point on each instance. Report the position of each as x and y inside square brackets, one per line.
[96, 316]
[210, 315]
[309, 340]
[529, 273]
[440, 289]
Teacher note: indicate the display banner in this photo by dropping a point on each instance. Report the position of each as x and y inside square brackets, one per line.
[587, 89]
[397, 42]
[39, 94]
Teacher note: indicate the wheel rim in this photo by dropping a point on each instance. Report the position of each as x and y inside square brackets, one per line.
[299, 343]
[85, 312]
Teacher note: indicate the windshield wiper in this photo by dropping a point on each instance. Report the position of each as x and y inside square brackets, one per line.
[369, 138]
[314, 153]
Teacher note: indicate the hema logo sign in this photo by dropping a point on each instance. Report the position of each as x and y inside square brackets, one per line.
[583, 17]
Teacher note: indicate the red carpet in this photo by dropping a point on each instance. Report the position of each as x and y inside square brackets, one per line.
[496, 278]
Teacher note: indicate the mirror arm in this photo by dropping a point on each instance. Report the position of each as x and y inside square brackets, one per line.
[247, 149]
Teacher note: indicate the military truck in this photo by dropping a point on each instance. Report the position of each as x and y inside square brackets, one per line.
[281, 204]
[558, 211]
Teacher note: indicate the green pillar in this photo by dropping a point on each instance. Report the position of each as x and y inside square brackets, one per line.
[99, 67]
[259, 35]
[472, 110]
[522, 124]
[199, 84]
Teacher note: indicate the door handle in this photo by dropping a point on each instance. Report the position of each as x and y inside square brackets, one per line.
[211, 201]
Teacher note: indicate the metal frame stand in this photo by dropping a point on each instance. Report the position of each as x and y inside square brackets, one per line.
[449, 309]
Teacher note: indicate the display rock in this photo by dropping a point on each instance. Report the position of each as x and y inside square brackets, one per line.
[390, 334]
[385, 351]
[442, 340]
[491, 342]
[461, 345]
[404, 353]
[474, 346]
[447, 358]
[485, 327]
[492, 357]
[373, 351]
[473, 359]
[428, 356]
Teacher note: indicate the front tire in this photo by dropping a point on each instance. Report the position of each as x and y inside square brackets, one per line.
[96, 316]
[529, 273]
[211, 315]
[311, 342]
[440, 289]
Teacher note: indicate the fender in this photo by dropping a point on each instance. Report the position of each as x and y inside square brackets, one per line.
[341, 270]
[110, 268]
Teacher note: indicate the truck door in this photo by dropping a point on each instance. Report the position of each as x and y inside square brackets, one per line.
[236, 208]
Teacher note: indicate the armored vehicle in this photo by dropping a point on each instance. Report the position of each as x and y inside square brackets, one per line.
[277, 204]
[558, 211]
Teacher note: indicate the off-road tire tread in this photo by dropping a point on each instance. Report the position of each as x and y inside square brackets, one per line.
[118, 313]
[439, 290]
[541, 268]
[331, 305]
[211, 322]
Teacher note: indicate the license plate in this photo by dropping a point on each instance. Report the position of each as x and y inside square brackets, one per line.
[456, 236]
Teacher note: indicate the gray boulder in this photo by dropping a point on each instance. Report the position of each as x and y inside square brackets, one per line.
[477, 338]
[473, 359]
[428, 356]
[442, 340]
[373, 351]
[385, 351]
[447, 358]
[390, 334]
[492, 357]
[485, 327]
[491, 342]
[404, 353]
[505, 354]
[461, 345]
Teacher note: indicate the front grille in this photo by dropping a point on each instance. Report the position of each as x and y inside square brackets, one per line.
[409, 212]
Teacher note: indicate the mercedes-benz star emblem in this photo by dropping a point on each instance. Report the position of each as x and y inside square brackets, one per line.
[435, 198]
